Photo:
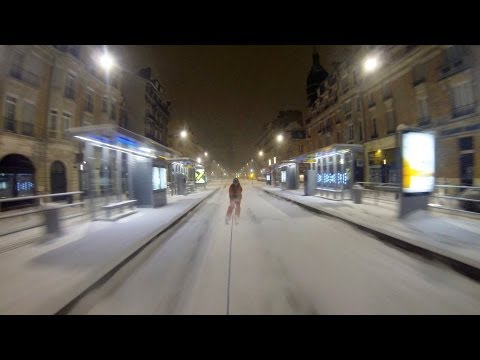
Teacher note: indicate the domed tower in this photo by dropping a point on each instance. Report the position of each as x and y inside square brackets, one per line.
[316, 75]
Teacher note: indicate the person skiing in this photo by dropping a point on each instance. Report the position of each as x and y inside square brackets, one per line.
[235, 195]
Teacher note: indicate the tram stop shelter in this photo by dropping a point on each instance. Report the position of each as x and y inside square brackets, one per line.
[333, 170]
[185, 175]
[120, 168]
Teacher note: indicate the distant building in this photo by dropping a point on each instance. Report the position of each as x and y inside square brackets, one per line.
[147, 106]
[288, 124]
[315, 77]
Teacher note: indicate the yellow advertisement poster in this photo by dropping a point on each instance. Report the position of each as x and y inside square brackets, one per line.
[200, 176]
[418, 161]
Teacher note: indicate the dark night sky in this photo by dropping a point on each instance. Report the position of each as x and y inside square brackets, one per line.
[226, 93]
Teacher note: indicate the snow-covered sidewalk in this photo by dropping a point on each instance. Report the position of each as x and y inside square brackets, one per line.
[451, 236]
[43, 277]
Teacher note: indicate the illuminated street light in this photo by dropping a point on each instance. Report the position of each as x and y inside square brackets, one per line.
[106, 61]
[260, 153]
[183, 134]
[206, 153]
[370, 64]
[279, 137]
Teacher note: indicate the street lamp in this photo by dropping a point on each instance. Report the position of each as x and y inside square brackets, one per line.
[279, 137]
[206, 153]
[260, 153]
[370, 64]
[183, 134]
[106, 61]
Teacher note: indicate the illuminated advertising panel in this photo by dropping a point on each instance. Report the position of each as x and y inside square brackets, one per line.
[418, 161]
[200, 176]
[156, 178]
[159, 178]
[284, 176]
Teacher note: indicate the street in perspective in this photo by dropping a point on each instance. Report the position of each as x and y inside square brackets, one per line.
[239, 180]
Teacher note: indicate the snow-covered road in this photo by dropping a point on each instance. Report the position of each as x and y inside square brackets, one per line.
[280, 259]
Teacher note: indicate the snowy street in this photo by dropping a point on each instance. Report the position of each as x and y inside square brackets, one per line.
[280, 259]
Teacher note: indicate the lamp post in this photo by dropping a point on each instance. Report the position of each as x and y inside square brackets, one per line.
[107, 63]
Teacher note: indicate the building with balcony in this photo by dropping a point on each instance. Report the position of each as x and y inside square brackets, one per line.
[146, 105]
[428, 87]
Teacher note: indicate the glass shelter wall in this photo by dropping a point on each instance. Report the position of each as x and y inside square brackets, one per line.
[336, 167]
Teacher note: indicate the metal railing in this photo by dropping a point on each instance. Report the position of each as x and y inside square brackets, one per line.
[39, 212]
[463, 110]
[454, 67]
[380, 191]
[458, 198]
[41, 198]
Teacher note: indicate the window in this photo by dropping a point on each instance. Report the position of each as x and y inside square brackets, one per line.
[374, 127]
[454, 54]
[329, 125]
[347, 107]
[358, 104]
[123, 118]
[17, 63]
[345, 84]
[89, 101]
[67, 123]
[462, 99]
[390, 119]
[52, 120]
[360, 132]
[337, 118]
[70, 86]
[422, 108]
[28, 123]
[10, 112]
[387, 91]
[113, 111]
[465, 143]
[351, 132]
[33, 70]
[105, 104]
[370, 100]
[418, 74]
